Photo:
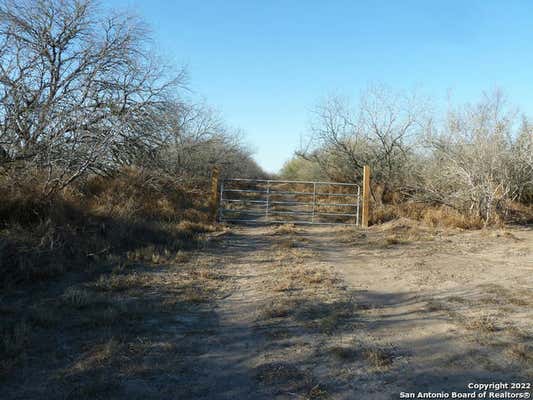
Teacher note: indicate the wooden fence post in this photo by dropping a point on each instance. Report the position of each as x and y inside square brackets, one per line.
[213, 201]
[366, 196]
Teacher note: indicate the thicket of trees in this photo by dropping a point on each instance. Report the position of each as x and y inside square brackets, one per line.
[103, 148]
[476, 159]
[81, 93]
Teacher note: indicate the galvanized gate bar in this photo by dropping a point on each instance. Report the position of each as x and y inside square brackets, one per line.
[245, 201]
[254, 221]
[282, 181]
[240, 197]
[293, 203]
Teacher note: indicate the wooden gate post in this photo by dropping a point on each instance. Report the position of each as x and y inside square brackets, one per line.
[213, 201]
[366, 196]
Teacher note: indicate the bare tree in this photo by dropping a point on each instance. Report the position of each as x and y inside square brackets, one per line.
[479, 161]
[379, 132]
[476, 159]
[521, 164]
[195, 139]
[76, 88]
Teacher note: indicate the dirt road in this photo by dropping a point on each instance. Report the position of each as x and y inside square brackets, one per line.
[288, 313]
[393, 309]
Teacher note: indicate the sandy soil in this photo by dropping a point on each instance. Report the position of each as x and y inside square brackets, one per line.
[317, 313]
[420, 310]
[456, 306]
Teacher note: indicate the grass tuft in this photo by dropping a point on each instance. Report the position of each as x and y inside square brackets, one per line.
[77, 297]
[343, 353]
[522, 352]
[285, 229]
[378, 357]
[483, 323]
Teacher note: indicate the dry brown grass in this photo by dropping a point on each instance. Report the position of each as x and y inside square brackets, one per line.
[194, 282]
[522, 352]
[383, 213]
[123, 282]
[295, 271]
[290, 379]
[133, 215]
[182, 257]
[44, 316]
[519, 213]
[196, 227]
[401, 231]
[481, 323]
[397, 237]
[199, 282]
[287, 243]
[447, 217]
[123, 252]
[277, 308]
[436, 305]
[430, 215]
[137, 194]
[378, 357]
[396, 206]
[300, 276]
[275, 372]
[99, 355]
[126, 305]
[196, 295]
[313, 295]
[390, 240]
[520, 333]
[498, 294]
[317, 392]
[14, 341]
[343, 353]
[332, 321]
[285, 229]
[77, 297]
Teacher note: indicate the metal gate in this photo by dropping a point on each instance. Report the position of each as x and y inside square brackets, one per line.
[297, 202]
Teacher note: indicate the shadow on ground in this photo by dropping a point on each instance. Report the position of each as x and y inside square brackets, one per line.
[148, 340]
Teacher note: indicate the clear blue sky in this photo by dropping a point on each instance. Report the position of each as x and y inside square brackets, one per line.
[265, 64]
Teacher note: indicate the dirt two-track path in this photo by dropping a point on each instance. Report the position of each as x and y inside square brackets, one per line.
[388, 310]
[281, 312]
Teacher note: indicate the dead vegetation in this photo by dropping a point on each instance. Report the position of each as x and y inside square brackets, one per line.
[313, 300]
[482, 311]
[523, 352]
[93, 224]
[141, 318]
[112, 284]
[500, 295]
[378, 357]
[431, 216]
[290, 380]
[94, 265]
[92, 275]
[121, 311]
[285, 229]
[488, 318]
[14, 340]
[481, 323]
[490, 313]
[395, 233]
[468, 168]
